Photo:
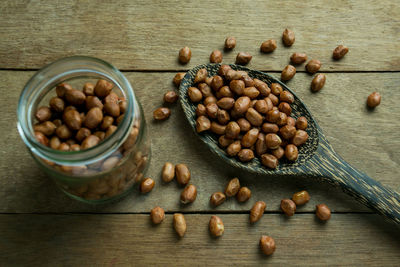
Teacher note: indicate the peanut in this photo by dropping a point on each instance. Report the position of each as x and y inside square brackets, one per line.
[179, 224]
[257, 211]
[216, 226]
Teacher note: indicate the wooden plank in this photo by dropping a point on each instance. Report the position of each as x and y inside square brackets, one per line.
[368, 140]
[108, 240]
[147, 35]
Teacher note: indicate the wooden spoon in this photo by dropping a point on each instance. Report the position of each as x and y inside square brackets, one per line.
[316, 159]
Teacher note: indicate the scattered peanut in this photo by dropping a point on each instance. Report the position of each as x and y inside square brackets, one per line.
[318, 82]
[230, 43]
[268, 46]
[179, 224]
[244, 194]
[170, 97]
[162, 113]
[168, 172]
[373, 100]
[157, 215]
[216, 56]
[340, 52]
[257, 211]
[301, 198]
[189, 194]
[288, 37]
[288, 206]
[288, 72]
[243, 58]
[323, 212]
[232, 187]
[216, 226]
[185, 54]
[182, 174]
[267, 245]
[147, 185]
[313, 66]
[217, 198]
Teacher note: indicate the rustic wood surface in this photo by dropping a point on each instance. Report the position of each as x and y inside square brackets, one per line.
[71, 240]
[339, 109]
[147, 35]
[41, 226]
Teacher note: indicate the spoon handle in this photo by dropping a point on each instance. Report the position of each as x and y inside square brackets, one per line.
[357, 184]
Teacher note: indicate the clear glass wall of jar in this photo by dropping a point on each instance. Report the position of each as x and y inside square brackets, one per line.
[101, 173]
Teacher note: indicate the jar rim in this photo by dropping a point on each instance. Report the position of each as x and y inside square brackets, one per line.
[73, 67]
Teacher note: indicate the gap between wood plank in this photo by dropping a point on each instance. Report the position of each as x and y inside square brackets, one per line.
[184, 70]
[177, 211]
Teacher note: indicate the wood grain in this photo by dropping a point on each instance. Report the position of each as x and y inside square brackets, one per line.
[368, 140]
[148, 35]
[114, 240]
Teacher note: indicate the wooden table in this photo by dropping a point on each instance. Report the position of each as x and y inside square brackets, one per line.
[41, 226]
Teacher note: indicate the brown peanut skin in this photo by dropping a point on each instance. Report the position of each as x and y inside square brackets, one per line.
[232, 187]
[75, 97]
[318, 82]
[244, 194]
[269, 161]
[72, 119]
[373, 100]
[168, 172]
[41, 138]
[313, 66]
[201, 76]
[157, 215]
[257, 211]
[301, 198]
[216, 226]
[62, 88]
[170, 97]
[103, 88]
[230, 43]
[43, 114]
[179, 224]
[300, 138]
[57, 104]
[323, 212]
[184, 55]
[298, 58]
[93, 118]
[267, 245]
[161, 113]
[182, 174]
[268, 46]
[217, 198]
[339, 52]
[147, 185]
[245, 155]
[291, 152]
[216, 56]
[90, 141]
[288, 73]
[178, 78]
[288, 37]
[288, 206]
[202, 124]
[189, 194]
[234, 148]
[243, 58]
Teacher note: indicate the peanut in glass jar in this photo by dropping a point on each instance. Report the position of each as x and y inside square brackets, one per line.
[101, 173]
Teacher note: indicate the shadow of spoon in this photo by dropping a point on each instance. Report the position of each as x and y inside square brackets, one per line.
[316, 159]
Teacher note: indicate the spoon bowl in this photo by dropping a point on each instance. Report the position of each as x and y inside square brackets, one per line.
[316, 159]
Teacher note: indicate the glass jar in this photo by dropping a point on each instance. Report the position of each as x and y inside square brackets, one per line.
[101, 173]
